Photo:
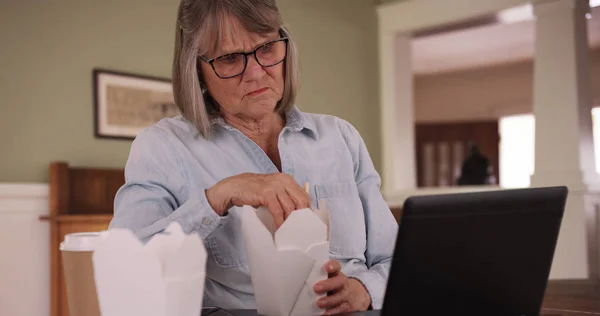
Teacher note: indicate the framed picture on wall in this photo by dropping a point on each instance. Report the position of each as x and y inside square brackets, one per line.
[125, 104]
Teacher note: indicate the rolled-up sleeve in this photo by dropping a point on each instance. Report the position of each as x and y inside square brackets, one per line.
[155, 192]
[381, 226]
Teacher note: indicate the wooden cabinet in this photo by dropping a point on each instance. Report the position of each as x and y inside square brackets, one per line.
[81, 200]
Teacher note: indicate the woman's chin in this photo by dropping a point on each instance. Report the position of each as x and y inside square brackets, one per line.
[260, 108]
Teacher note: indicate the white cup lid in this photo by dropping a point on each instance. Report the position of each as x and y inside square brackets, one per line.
[81, 241]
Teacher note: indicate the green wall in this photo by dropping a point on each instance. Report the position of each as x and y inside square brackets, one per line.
[388, 1]
[50, 47]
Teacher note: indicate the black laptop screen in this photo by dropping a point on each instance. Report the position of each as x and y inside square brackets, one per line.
[485, 253]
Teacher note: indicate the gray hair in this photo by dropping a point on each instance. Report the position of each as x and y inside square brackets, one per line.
[200, 27]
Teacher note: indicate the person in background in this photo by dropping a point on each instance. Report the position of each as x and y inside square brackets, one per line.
[475, 169]
[241, 140]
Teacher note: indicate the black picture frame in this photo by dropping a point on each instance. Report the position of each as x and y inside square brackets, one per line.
[126, 103]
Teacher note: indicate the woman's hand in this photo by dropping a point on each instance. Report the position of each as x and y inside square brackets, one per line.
[345, 294]
[278, 192]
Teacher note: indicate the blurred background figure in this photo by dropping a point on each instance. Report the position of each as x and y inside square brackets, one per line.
[475, 169]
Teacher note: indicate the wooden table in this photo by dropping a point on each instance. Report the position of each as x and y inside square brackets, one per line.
[222, 312]
[378, 313]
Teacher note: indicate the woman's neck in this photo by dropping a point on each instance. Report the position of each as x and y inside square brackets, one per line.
[263, 131]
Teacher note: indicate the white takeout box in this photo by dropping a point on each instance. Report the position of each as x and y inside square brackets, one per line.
[162, 278]
[286, 263]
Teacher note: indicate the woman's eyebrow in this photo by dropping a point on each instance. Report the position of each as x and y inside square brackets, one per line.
[267, 38]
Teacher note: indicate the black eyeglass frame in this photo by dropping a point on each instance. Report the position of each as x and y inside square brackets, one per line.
[246, 54]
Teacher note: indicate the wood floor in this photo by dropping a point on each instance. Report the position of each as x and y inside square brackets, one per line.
[572, 300]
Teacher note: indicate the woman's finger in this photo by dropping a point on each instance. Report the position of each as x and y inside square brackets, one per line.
[298, 195]
[287, 205]
[344, 307]
[333, 267]
[331, 284]
[300, 200]
[275, 208]
[331, 301]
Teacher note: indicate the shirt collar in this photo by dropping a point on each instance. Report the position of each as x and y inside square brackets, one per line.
[298, 121]
[295, 121]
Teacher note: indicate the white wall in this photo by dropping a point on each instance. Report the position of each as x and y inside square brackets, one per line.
[24, 250]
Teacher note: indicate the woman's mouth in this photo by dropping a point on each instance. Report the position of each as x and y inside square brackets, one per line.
[258, 92]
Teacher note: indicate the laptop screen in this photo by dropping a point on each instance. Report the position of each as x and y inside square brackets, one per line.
[485, 253]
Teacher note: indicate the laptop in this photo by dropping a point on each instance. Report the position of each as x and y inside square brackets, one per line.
[480, 253]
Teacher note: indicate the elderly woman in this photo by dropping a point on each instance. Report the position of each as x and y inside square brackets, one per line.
[240, 140]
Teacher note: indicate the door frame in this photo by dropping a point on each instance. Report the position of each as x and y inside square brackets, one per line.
[398, 20]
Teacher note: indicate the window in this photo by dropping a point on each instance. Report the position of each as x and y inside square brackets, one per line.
[596, 129]
[517, 148]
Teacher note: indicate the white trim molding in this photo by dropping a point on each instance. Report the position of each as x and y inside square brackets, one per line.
[24, 190]
[413, 15]
[24, 197]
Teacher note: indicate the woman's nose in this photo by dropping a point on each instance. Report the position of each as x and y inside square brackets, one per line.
[253, 69]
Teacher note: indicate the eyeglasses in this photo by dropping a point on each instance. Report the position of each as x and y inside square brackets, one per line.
[232, 65]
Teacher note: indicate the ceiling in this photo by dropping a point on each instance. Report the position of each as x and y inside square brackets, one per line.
[482, 45]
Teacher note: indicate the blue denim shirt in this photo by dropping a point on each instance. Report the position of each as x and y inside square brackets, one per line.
[171, 164]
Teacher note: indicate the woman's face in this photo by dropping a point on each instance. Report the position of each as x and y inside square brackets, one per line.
[253, 94]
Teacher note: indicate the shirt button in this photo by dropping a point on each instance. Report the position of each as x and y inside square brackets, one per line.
[206, 221]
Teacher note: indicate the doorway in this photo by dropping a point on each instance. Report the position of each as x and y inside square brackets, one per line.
[442, 147]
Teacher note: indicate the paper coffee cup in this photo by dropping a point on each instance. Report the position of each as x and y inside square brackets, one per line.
[78, 269]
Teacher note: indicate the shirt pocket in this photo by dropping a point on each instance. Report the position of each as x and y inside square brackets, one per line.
[226, 245]
[347, 230]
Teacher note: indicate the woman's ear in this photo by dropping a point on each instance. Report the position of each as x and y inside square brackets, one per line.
[211, 104]
[203, 87]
